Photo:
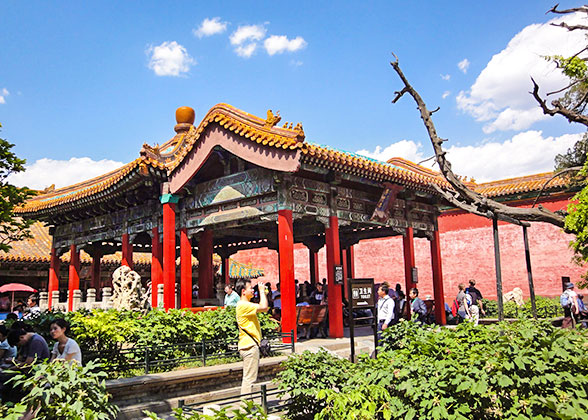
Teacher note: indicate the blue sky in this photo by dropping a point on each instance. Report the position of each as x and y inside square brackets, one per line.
[76, 79]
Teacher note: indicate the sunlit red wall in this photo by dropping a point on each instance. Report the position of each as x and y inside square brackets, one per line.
[467, 251]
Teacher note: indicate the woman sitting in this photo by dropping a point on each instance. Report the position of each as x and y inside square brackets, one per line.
[66, 348]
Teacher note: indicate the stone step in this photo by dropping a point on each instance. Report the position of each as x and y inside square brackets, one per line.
[164, 407]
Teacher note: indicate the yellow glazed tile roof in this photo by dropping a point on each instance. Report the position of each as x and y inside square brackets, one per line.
[520, 184]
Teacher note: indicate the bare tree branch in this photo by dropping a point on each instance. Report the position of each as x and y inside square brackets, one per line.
[567, 11]
[464, 197]
[570, 27]
[560, 173]
[558, 108]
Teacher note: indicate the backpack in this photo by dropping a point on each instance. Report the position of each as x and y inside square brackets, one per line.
[468, 299]
[454, 308]
[565, 301]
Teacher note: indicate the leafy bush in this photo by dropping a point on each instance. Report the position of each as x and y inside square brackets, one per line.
[102, 334]
[247, 411]
[527, 369]
[64, 391]
[304, 375]
[546, 308]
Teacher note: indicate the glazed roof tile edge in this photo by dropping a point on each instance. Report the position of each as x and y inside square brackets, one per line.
[521, 184]
[85, 188]
[256, 130]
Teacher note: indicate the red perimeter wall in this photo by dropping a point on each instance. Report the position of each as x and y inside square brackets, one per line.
[467, 251]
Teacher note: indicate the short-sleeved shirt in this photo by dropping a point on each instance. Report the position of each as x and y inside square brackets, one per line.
[71, 347]
[9, 351]
[36, 347]
[461, 300]
[475, 294]
[232, 299]
[248, 321]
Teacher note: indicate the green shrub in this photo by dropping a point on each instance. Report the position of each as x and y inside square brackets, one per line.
[65, 391]
[546, 308]
[247, 411]
[304, 375]
[527, 369]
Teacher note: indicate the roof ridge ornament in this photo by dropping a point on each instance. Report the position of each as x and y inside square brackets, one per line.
[185, 119]
[272, 119]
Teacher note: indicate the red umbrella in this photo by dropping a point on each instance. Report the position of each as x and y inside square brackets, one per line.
[16, 287]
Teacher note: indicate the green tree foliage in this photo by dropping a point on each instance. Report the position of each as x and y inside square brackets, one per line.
[524, 370]
[64, 391]
[574, 157]
[11, 228]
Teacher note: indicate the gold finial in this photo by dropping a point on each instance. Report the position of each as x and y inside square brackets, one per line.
[185, 118]
[272, 119]
[300, 132]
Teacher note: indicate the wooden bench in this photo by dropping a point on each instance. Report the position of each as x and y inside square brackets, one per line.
[311, 316]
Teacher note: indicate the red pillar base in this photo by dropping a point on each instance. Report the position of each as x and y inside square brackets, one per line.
[185, 269]
[205, 268]
[334, 294]
[286, 263]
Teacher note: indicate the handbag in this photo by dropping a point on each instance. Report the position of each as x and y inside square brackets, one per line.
[265, 348]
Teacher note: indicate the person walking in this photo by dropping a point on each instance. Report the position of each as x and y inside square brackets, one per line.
[385, 308]
[477, 306]
[462, 304]
[231, 297]
[417, 305]
[569, 303]
[249, 330]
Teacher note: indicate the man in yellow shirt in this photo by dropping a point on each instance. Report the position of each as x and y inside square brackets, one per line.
[249, 330]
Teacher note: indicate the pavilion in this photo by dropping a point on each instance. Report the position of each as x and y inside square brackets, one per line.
[236, 182]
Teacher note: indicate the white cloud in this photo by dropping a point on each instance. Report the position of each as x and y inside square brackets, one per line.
[446, 94]
[296, 63]
[406, 149]
[169, 59]
[210, 27]
[3, 94]
[464, 65]
[500, 95]
[62, 173]
[245, 39]
[524, 154]
[445, 76]
[246, 50]
[247, 33]
[277, 44]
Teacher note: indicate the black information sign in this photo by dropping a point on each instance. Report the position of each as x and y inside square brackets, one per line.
[362, 296]
[338, 274]
[362, 293]
[415, 274]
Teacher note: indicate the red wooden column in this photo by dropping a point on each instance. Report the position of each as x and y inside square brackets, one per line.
[226, 263]
[127, 251]
[185, 269]
[95, 271]
[205, 268]
[334, 296]
[74, 274]
[438, 279]
[286, 263]
[169, 250]
[53, 274]
[156, 266]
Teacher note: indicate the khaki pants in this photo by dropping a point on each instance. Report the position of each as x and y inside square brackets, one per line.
[475, 314]
[250, 358]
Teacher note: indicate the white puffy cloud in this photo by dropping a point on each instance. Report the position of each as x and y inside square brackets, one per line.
[446, 94]
[245, 38]
[500, 95]
[277, 44]
[524, 154]
[406, 149]
[3, 94]
[247, 33]
[464, 65]
[169, 59]
[209, 27]
[44, 172]
[445, 76]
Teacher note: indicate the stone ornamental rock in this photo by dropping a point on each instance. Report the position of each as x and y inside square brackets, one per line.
[127, 291]
[515, 295]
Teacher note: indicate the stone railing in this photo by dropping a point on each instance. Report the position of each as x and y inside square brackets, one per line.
[91, 302]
